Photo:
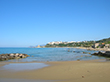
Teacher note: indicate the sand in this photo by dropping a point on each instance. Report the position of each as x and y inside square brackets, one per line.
[66, 71]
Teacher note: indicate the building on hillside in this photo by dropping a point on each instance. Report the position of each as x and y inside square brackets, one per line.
[71, 42]
[102, 45]
[95, 45]
[58, 42]
[107, 46]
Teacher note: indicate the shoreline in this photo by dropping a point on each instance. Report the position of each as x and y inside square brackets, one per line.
[63, 71]
[95, 49]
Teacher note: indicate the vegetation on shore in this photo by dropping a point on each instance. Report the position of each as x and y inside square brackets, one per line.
[102, 43]
[106, 41]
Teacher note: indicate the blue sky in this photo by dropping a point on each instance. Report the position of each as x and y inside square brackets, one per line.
[26, 23]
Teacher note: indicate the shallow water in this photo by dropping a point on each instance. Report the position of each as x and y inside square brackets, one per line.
[23, 80]
[51, 54]
[23, 66]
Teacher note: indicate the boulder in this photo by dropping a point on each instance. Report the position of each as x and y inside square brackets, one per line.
[104, 54]
[12, 56]
[17, 54]
[107, 52]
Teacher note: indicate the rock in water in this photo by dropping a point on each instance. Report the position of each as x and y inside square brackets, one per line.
[104, 54]
[12, 56]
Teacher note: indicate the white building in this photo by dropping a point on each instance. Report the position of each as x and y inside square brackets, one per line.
[58, 42]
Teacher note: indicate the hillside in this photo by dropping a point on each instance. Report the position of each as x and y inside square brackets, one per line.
[78, 44]
[106, 41]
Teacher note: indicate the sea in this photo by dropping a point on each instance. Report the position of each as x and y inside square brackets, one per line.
[51, 54]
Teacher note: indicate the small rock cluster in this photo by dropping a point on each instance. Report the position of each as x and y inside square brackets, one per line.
[104, 54]
[81, 52]
[12, 56]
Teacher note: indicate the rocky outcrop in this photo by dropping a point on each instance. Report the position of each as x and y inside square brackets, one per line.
[12, 56]
[104, 54]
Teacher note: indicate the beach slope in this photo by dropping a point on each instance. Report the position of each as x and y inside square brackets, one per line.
[66, 71]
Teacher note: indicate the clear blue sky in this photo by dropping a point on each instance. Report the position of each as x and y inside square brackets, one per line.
[26, 23]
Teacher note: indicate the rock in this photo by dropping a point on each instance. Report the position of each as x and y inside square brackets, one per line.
[84, 52]
[82, 76]
[107, 52]
[78, 59]
[17, 54]
[95, 53]
[12, 56]
[107, 59]
[104, 54]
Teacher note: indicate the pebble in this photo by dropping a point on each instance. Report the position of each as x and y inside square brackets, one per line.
[82, 76]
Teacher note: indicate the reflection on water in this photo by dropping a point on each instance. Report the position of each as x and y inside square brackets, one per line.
[23, 66]
[23, 80]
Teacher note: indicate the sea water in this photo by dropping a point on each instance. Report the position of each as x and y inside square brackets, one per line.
[44, 55]
[51, 54]
[23, 66]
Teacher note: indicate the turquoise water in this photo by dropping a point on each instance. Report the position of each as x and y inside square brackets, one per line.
[51, 54]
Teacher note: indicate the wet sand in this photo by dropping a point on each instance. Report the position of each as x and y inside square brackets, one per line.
[65, 71]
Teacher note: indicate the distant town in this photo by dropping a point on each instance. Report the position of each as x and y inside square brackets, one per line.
[104, 43]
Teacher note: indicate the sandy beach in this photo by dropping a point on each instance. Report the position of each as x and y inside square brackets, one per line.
[65, 71]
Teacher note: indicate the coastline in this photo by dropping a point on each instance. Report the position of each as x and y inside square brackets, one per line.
[63, 71]
[89, 48]
[95, 49]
